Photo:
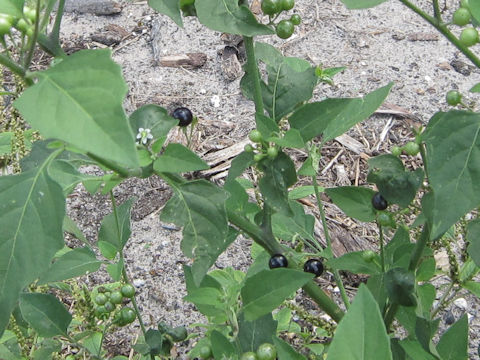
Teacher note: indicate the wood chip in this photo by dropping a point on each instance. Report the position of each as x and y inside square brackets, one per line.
[350, 143]
[190, 60]
[96, 7]
[421, 36]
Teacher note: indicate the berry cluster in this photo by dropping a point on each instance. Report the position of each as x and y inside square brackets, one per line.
[107, 301]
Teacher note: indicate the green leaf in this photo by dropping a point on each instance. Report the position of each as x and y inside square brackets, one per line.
[154, 340]
[290, 81]
[239, 164]
[79, 101]
[32, 208]
[395, 184]
[292, 139]
[71, 227]
[361, 4]
[474, 7]
[227, 16]
[6, 142]
[267, 289]
[152, 117]
[74, 263]
[400, 284]
[252, 334]
[473, 287]
[266, 125]
[415, 351]
[361, 333]
[424, 331]
[109, 232]
[475, 88]
[12, 7]
[285, 351]
[66, 175]
[221, 347]
[473, 237]
[401, 238]
[93, 342]
[46, 348]
[452, 151]
[171, 8]
[108, 250]
[199, 206]
[355, 262]
[177, 158]
[115, 270]
[300, 224]
[45, 314]
[333, 117]
[354, 201]
[453, 344]
[302, 192]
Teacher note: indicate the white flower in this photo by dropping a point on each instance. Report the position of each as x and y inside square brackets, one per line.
[144, 135]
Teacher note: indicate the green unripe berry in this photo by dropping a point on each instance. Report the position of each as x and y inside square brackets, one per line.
[453, 97]
[464, 4]
[461, 17]
[296, 19]
[287, 4]
[255, 136]
[368, 255]
[284, 29]
[250, 355]
[128, 291]
[258, 157]
[272, 152]
[248, 148]
[270, 7]
[205, 352]
[266, 351]
[385, 219]
[396, 151]
[411, 148]
[101, 299]
[469, 36]
[109, 307]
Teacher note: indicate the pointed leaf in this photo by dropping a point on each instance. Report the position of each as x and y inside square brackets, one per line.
[109, 232]
[473, 237]
[267, 289]
[394, 183]
[74, 263]
[362, 328]
[355, 262]
[6, 142]
[285, 351]
[354, 201]
[171, 8]
[178, 158]
[32, 208]
[400, 284]
[79, 101]
[227, 16]
[221, 347]
[252, 334]
[333, 117]
[199, 206]
[12, 7]
[152, 117]
[453, 344]
[453, 156]
[45, 314]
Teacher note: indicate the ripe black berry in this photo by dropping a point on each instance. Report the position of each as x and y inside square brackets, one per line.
[184, 116]
[277, 261]
[379, 202]
[313, 266]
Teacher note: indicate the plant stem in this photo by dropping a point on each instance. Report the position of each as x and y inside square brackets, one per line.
[442, 299]
[124, 270]
[382, 255]
[328, 239]
[442, 28]
[33, 40]
[252, 71]
[13, 66]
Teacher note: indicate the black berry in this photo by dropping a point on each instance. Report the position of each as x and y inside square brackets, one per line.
[313, 266]
[277, 261]
[379, 202]
[184, 116]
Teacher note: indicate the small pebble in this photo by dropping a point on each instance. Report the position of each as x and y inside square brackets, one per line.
[336, 289]
[215, 101]
[461, 303]
[470, 317]
[138, 282]
[449, 318]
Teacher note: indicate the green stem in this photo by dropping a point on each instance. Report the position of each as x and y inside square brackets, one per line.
[33, 40]
[382, 254]
[328, 239]
[55, 34]
[124, 172]
[442, 299]
[13, 66]
[252, 71]
[124, 270]
[436, 11]
[442, 28]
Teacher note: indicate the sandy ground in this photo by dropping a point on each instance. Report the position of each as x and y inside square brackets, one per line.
[387, 43]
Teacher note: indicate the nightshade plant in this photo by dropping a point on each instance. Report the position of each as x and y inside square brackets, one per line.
[76, 106]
